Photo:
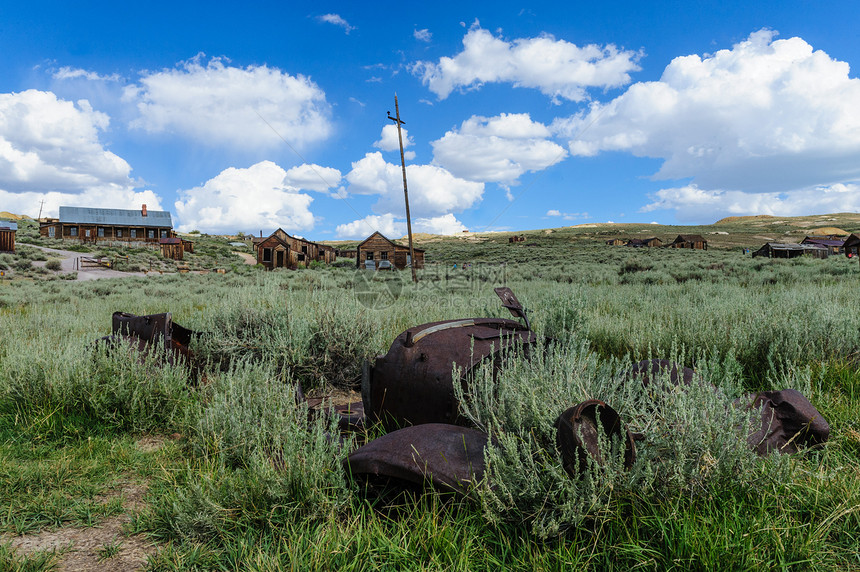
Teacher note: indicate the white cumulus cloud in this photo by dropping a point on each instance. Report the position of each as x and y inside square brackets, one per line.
[50, 150]
[557, 68]
[392, 227]
[422, 35]
[765, 116]
[336, 20]
[218, 104]
[251, 199]
[312, 177]
[433, 191]
[694, 205]
[497, 149]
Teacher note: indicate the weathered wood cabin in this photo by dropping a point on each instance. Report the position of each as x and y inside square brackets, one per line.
[851, 247]
[84, 224]
[694, 241]
[616, 242]
[516, 238]
[172, 248]
[375, 249]
[7, 235]
[832, 244]
[791, 250]
[653, 242]
[280, 250]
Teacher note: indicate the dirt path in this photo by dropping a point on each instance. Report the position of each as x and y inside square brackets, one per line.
[248, 258]
[67, 265]
[106, 547]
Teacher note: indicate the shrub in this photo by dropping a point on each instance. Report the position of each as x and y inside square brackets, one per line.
[54, 264]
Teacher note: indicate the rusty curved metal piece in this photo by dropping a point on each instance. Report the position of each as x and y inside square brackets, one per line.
[413, 383]
[789, 422]
[448, 457]
[150, 331]
[578, 436]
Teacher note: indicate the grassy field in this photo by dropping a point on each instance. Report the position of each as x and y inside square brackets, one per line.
[232, 475]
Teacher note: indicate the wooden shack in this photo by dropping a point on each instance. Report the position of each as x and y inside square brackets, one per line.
[188, 246]
[694, 241]
[280, 250]
[791, 250]
[616, 242]
[851, 246]
[7, 235]
[171, 248]
[375, 249]
[84, 224]
[653, 242]
[515, 238]
[832, 244]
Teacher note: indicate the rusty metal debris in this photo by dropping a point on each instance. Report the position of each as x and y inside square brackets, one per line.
[413, 383]
[789, 422]
[151, 331]
[448, 457]
[579, 437]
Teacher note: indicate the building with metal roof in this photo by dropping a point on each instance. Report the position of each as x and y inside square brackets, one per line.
[7, 235]
[115, 225]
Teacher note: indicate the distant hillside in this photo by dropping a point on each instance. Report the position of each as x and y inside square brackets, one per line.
[10, 216]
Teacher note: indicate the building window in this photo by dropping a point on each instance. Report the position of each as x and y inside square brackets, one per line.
[300, 257]
[305, 248]
[73, 231]
[267, 255]
[119, 233]
[383, 255]
[52, 231]
[163, 234]
[151, 233]
[87, 233]
[369, 256]
[133, 233]
[101, 232]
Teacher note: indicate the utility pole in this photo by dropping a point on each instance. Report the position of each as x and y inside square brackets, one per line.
[41, 204]
[399, 122]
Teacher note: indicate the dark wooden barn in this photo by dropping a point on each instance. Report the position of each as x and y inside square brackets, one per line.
[172, 248]
[376, 252]
[83, 224]
[7, 235]
[653, 242]
[851, 246]
[280, 250]
[694, 241]
[791, 250]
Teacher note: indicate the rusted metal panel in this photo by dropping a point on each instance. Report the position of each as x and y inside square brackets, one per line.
[789, 422]
[413, 383]
[578, 436]
[154, 330]
[448, 457]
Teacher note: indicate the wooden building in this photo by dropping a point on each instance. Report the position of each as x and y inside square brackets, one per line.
[171, 248]
[695, 241]
[7, 235]
[832, 244]
[84, 224]
[653, 242]
[616, 242]
[516, 238]
[376, 252]
[851, 246]
[791, 250]
[280, 250]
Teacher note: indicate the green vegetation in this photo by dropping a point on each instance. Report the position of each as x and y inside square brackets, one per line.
[252, 482]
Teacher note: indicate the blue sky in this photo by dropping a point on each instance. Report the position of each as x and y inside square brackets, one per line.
[518, 116]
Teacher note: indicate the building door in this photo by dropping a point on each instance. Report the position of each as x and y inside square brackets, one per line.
[279, 258]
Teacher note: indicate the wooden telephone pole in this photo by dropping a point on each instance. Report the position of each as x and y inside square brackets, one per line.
[399, 122]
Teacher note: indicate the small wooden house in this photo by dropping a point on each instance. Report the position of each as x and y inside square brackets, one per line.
[791, 250]
[280, 250]
[376, 251]
[84, 224]
[7, 235]
[851, 246]
[616, 242]
[653, 242]
[188, 246]
[171, 248]
[516, 238]
[694, 241]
